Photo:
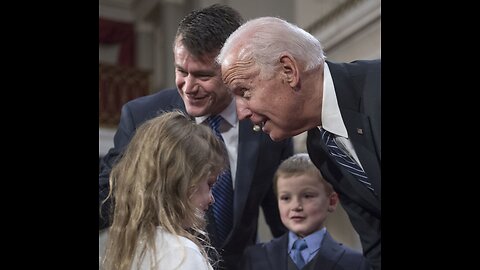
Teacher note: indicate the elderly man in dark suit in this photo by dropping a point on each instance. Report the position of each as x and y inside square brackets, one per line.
[283, 83]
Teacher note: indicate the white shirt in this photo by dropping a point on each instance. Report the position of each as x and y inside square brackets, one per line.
[229, 131]
[332, 120]
[174, 252]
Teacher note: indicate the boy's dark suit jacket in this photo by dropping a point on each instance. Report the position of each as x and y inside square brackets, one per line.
[358, 90]
[274, 256]
[258, 158]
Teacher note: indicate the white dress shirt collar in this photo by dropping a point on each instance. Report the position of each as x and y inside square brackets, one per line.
[229, 114]
[331, 116]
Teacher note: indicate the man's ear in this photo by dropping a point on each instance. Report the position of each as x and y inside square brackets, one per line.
[290, 69]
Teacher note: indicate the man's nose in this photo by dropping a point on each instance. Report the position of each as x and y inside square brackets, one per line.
[190, 84]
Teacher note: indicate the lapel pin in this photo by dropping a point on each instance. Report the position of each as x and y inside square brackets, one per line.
[360, 131]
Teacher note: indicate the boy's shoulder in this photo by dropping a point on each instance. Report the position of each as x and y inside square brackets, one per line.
[272, 244]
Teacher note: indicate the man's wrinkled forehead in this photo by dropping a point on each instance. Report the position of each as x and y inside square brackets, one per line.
[239, 74]
[234, 58]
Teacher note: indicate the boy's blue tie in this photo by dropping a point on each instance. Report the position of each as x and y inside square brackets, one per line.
[297, 248]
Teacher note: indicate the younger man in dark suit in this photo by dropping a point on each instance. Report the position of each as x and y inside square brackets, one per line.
[253, 156]
[304, 199]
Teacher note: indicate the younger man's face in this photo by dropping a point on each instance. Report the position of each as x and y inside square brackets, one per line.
[199, 83]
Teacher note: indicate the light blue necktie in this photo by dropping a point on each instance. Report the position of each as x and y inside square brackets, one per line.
[297, 248]
[222, 192]
[345, 160]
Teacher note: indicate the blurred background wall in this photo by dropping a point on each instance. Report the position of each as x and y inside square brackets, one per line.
[135, 55]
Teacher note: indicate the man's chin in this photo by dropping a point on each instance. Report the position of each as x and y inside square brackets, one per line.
[195, 111]
[276, 137]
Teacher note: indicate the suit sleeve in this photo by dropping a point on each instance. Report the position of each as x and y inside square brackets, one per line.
[122, 137]
[270, 204]
[245, 261]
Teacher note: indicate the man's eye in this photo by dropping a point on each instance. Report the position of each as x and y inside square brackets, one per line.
[239, 92]
[184, 73]
[246, 93]
[204, 77]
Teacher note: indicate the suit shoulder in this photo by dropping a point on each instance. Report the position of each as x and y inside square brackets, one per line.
[165, 96]
[357, 65]
[254, 249]
[353, 255]
[350, 251]
[330, 241]
[146, 107]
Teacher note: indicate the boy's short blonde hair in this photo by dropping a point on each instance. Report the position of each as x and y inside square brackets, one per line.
[299, 164]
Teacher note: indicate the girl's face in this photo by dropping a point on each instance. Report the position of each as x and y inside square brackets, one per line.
[202, 196]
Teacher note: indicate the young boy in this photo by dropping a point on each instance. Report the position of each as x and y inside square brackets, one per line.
[304, 199]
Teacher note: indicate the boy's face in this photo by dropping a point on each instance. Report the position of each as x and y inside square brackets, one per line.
[303, 203]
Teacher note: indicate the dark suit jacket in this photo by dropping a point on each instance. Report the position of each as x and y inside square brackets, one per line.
[274, 255]
[358, 90]
[258, 158]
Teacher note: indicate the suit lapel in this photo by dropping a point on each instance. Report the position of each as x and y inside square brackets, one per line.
[329, 253]
[277, 253]
[248, 147]
[350, 91]
[359, 132]
[341, 180]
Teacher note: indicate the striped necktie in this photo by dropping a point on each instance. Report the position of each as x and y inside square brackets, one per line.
[345, 160]
[222, 192]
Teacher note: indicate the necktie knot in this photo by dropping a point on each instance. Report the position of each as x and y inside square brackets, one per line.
[300, 244]
[297, 248]
[214, 123]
